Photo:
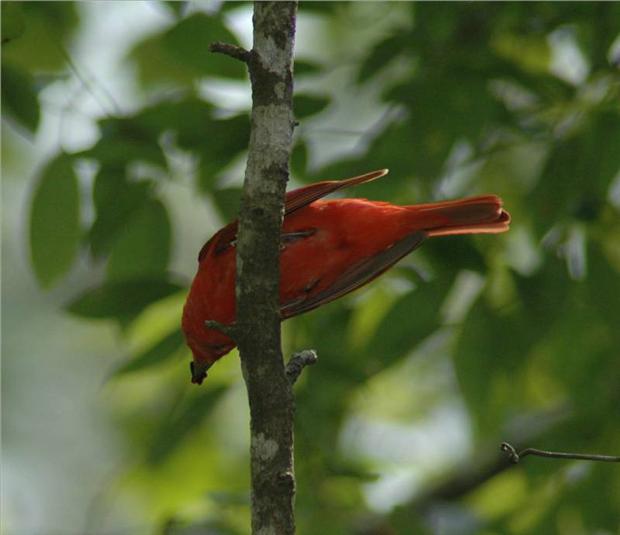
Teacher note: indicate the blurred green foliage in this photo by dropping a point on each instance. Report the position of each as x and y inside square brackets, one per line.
[55, 221]
[519, 99]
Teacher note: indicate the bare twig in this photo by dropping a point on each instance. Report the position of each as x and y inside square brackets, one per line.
[234, 51]
[229, 330]
[298, 362]
[516, 457]
[487, 462]
[471, 473]
[89, 83]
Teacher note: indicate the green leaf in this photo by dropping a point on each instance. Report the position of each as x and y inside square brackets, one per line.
[142, 248]
[137, 137]
[320, 7]
[190, 118]
[227, 201]
[229, 498]
[154, 355]
[187, 417]
[122, 299]
[55, 221]
[116, 201]
[562, 194]
[220, 146]
[188, 44]
[385, 150]
[155, 66]
[299, 158]
[323, 330]
[13, 24]
[381, 55]
[19, 98]
[177, 7]
[453, 253]
[439, 116]
[124, 140]
[494, 345]
[603, 281]
[489, 352]
[306, 68]
[306, 105]
[346, 467]
[46, 27]
[220, 142]
[603, 160]
[411, 319]
[544, 296]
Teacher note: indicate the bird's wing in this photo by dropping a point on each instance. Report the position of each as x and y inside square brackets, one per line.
[356, 276]
[295, 200]
[222, 239]
[301, 197]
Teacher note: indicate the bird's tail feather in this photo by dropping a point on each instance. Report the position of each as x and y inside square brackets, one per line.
[474, 215]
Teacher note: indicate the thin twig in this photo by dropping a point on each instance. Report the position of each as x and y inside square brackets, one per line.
[298, 362]
[86, 80]
[516, 457]
[229, 330]
[233, 51]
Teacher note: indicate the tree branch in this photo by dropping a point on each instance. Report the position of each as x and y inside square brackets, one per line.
[257, 332]
[485, 463]
[298, 362]
[229, 330]
[234, 51]
[516, 457]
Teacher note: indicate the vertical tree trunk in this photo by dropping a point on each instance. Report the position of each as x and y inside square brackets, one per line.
[258, 251]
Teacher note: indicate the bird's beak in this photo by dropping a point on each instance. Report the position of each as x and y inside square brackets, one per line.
[199, 371]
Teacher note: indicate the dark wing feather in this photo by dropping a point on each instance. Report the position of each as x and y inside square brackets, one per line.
[301, 197]
[295, 200]
[221, 240]
[356, 276]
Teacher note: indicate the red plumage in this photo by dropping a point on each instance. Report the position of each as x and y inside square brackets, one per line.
[329, 248]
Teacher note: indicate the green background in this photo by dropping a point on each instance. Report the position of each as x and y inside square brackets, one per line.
[123, 151]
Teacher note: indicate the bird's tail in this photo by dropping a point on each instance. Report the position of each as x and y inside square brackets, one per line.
[474, 215]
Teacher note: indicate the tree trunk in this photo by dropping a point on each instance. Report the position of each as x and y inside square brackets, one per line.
[258, 274]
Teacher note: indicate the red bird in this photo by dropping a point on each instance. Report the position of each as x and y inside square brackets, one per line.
[329, 248]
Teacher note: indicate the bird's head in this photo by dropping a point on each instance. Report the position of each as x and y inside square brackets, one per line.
[210, 346]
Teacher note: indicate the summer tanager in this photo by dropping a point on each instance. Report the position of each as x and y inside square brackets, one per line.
[329, 248]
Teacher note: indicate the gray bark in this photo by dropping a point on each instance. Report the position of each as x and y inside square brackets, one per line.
[258, 251]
